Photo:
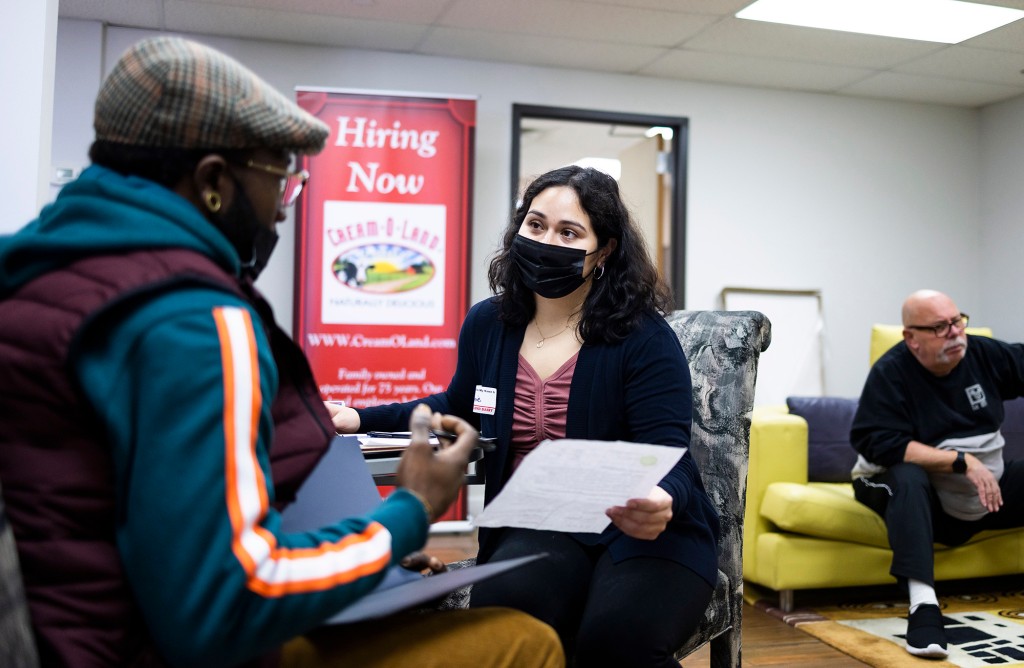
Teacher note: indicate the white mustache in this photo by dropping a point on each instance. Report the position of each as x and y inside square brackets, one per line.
[958, 341]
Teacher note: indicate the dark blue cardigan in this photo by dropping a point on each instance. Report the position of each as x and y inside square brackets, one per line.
[637, 390]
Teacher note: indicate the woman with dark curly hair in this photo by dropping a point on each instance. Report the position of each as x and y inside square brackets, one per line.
[574, 345]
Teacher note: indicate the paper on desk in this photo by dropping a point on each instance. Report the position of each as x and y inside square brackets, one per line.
[370, 443]
[566, 485]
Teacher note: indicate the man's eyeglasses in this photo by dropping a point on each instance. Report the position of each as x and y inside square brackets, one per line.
[942, 329]
[291, 182]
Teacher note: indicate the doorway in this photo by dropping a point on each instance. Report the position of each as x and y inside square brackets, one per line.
[645, 153]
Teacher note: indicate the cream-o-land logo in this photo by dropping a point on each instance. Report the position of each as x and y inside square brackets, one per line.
[383, 268]
[383, 263]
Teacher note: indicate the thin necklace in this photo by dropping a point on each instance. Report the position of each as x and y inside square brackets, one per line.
[540, 344]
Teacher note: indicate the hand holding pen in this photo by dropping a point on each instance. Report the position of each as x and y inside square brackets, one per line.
[435, 476]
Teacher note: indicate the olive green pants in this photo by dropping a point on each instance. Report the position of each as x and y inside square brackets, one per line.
[480, 638]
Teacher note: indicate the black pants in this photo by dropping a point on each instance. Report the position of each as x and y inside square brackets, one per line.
[634, 613]
[915, 520]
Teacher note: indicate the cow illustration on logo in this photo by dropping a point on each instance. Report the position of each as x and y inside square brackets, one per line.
[383, 268]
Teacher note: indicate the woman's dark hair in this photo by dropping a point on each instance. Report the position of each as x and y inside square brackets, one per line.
[630, 285]
[164, 165]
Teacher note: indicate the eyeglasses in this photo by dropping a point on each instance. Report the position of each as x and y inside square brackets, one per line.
[291, 182]
[942, 329]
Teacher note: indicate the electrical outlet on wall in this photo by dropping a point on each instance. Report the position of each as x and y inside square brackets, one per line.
[61, 175]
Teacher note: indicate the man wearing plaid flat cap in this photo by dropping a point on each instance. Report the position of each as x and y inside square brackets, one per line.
[155, 416]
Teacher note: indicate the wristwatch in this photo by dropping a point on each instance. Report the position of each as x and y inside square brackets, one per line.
[960, 464]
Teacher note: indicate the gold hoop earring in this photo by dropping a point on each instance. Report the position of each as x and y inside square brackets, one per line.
[213, 201]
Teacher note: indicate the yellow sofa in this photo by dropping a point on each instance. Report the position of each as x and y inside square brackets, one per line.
[812, 535]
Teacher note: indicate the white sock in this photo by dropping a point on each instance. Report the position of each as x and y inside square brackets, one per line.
[920, 593]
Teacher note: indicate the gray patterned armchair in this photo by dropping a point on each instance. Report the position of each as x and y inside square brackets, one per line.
[17, 646]
[723, 348]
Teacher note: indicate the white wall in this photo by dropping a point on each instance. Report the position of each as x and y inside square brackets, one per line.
[78, 76]
[865, 200]
[1002, 239]
[28, 42]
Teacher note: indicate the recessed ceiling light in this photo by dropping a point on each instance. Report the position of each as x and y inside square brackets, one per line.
[949, 21]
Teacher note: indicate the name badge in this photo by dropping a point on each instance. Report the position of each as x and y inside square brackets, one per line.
[485, 400]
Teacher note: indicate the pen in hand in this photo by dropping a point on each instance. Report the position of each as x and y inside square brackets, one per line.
[485, 443]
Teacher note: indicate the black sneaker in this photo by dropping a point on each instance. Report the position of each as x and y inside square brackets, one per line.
[925, 637]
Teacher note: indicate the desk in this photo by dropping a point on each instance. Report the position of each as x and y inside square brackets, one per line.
[384, 463]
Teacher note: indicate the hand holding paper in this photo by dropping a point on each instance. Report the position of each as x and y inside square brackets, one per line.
[644, 518]
[567, 485]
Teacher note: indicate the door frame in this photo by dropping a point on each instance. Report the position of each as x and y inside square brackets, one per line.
[677, 167]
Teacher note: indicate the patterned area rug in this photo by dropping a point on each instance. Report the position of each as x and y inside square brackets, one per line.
[981, 629]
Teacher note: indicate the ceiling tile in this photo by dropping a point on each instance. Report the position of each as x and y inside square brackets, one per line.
[1016, 4]
[757, 38]
[206, 18]
[535, 50]
[571, 19]
[1008, 38]
[933, 90]
[965, 63]
[418, 11]
[142, 13]
[716, 7]
[753, 71]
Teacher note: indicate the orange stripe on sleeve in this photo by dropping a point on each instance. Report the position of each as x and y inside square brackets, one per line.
[230, 467]
[272, 570]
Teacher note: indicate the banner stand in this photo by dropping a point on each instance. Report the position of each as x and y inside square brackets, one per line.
[382, 250]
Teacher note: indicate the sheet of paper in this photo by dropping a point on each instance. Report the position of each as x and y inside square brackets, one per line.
[566, 485]
[372, 443]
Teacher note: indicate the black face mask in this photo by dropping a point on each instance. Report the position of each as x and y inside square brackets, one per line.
[262, 248]
[254, 242]
[550, 271]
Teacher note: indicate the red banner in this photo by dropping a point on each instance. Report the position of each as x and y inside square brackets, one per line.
[383, 244]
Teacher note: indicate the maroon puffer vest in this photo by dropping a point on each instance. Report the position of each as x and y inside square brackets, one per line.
[57, 474]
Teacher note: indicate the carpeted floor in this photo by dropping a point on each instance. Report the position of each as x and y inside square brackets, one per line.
[981, 629]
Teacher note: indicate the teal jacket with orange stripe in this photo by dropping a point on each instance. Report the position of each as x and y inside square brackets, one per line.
[180, 385]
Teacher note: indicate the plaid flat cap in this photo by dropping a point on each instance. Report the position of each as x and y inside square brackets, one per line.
[172, 92]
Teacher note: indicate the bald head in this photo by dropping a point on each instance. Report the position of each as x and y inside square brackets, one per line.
[924, 303]
[923, 311]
